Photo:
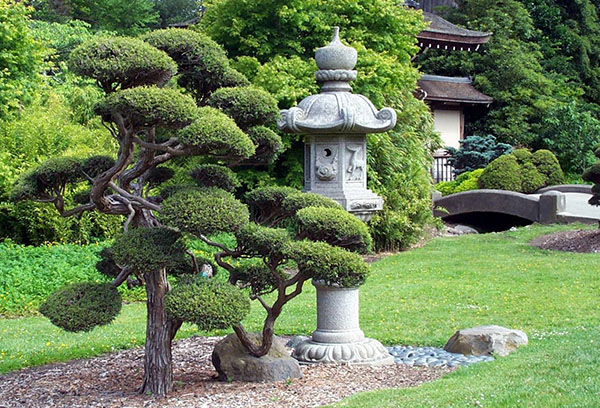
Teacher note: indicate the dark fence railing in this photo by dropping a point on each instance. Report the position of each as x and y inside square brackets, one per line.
[441, 170]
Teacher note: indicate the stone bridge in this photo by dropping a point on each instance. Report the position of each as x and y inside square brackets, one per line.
[564, 203]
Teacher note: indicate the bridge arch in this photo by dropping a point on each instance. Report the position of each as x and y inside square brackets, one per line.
[492, 201]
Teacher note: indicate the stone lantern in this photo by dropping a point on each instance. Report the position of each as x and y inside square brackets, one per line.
[336, 123]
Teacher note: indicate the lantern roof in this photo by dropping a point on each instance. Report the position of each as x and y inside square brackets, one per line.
[336, 109]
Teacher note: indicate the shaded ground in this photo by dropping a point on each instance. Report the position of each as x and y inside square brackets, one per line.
[572, 241]
[111, 381]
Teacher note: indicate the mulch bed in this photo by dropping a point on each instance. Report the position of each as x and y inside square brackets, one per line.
[111, 380]
[584, 241]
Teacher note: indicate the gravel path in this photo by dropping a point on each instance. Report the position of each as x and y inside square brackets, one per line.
[111, 380]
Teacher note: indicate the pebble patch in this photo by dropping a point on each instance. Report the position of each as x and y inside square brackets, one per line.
[432, 357]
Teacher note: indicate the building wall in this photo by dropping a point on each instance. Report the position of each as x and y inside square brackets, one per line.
[450, 125]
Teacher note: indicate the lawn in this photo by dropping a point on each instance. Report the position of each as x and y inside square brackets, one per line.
[421, 297]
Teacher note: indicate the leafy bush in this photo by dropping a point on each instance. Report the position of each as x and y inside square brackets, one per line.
[248, 106]
[257, 277]
[334, 226]
[332, 265]
[296, 201]
[268, 144]
[592, 174]
[204, 211]
[208, 304]
[82, 306]
[502, 174]
[531, 178]
[49, 176]
[465, 182]
[120, 62]
[212, 175]
[476, 152]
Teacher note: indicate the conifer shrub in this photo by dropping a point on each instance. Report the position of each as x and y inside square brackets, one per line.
[82, 306]
[592, 174]
[212, 175]
[248, 106]
[148, 106]
[119, 62]
[207, 303]
[204, 211]
[502, 174]
[268, 143]
[264, 203]
[107, 265]
[256, 240]
[257, 277]
[531, 178]
[297, 201]
[547, 164]
[216, 134]
[159, 175]
[476, 152]
[523, 156]
[43, 180]
[332, 265]
[95, 165]
[334, 226]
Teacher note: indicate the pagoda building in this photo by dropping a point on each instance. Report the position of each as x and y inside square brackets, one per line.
[449, 97]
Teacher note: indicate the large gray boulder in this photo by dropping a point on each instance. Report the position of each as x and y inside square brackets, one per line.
[485, 340]
[233, 363]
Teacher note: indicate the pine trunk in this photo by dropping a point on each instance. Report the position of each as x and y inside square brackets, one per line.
[160, 330]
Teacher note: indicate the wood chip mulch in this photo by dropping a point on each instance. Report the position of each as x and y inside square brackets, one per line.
[584, 241]
[111, 380]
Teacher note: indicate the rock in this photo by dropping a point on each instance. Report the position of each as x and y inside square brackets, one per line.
[232, 362]
[485, 340]
[465, 229]
[294, 341]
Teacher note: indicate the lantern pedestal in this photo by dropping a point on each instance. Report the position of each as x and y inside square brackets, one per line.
[338, 338]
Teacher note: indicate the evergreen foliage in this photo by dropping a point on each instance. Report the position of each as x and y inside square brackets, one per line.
[213, 175]
[208, 304]
[547, 164]
[592, 174]
[465, 182]
[82, 306]
[256, 240]
[476, 152]
[502, 174]
[248, 106]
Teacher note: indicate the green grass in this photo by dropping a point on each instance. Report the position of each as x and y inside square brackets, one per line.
[421, 297]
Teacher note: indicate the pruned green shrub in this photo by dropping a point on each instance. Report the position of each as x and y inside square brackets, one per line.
[95, 165]
[531, 178]
[257, 277]
[502, 174]
[215, 133]
[268, 144]
[119, 62]
[204, 211]
[332, 265]
[265, 202]
[523, 156]
[203, 65]
[208, 304]
[334, 226]
[213, 175]
[547, 164]
[297, 201]
[43, 180]
[159, 175]
[148, 249]
[248, 106]
[82, 306]
[257, 240]
[147, 106]
[107, 265]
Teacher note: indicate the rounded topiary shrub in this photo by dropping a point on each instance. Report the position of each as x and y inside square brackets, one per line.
[159, 175]
[268, 143]
[332, 265]
[248, 106]
[261, 241]
[531, 178]
[82, 306]
[148, 249]
[470, 181]
[523, 156]
[297, 201]
[257, 277]
[215, 133]
[334, 226]
[502, 174]
[213, 175]
[204, 211]
[96, 165]
[547, 164]
[120, 61]
[107, 265]
[47, 176]
[265, 202]
[208, 304]
[147, 106]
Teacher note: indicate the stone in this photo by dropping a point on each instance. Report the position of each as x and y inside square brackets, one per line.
[296, 340]
[465, 229]
[233, 363]
[485, 340]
